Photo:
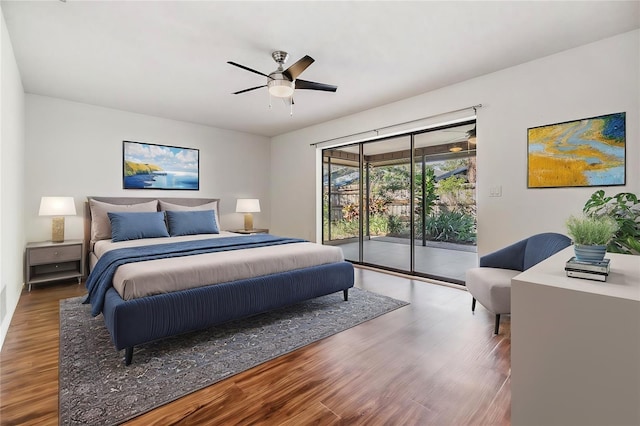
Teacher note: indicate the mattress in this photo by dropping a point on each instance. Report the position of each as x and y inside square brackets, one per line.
[140, 279]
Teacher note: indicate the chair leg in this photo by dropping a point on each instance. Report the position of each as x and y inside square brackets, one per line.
[497, 323]
[473, 304]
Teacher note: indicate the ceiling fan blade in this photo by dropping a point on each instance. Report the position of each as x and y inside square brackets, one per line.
[248, 69]
[296, 69]
[249, 89]
[304, 84]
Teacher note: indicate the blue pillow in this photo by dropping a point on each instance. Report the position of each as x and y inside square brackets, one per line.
[133, 226]
[192, 222]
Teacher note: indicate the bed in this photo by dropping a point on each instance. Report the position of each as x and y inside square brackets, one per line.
[150, 284]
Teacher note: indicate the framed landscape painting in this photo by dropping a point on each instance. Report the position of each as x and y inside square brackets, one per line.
[150, 166]
[587, 152]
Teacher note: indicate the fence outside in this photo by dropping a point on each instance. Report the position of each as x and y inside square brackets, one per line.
[399, 206]
[452, 216]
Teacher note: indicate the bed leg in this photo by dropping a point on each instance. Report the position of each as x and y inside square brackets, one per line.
[345, 293]
[128, 355]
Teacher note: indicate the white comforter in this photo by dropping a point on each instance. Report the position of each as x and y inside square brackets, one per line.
[141, 279]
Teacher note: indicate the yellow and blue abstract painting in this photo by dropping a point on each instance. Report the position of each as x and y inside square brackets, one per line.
[587, 152]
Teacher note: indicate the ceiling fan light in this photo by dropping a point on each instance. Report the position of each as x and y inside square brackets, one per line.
[455, 149]
[280, 88]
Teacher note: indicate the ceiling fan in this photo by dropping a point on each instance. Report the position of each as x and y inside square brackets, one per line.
[469, 136]
[281, 83]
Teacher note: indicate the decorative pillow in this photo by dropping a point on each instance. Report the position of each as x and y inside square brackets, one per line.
[164, 206]
[192, 222]
[100, 224]
[133, 226]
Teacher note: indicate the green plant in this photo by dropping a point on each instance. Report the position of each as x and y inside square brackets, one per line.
[341, 229]
[453, 191]
[624, 208]
[591, 230]
[378, 225]
[396, 226]
[451, 226]
[451, 184]
[430, 195]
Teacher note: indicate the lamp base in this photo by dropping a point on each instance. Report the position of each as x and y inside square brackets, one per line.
[248, 221]
[57, 229]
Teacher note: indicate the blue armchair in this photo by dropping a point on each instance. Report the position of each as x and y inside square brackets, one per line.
[490, 283]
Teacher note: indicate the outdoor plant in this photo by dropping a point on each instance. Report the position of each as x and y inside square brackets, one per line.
[344, 229]
[446, 207]
[377, 206]
[591, 230]
[451, 188]
[624, 208]
[430, 195]
[378, 225]
[395, 224]
[350, 212]
[451, 226]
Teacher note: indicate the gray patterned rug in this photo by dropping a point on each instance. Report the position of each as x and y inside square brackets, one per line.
[96, 388]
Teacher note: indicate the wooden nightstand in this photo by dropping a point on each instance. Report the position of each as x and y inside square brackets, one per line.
[249, 231]
[47, 261]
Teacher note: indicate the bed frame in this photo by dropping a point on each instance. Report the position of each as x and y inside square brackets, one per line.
[137, 321]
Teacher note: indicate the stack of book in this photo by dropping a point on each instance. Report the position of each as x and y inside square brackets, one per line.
[598, 270]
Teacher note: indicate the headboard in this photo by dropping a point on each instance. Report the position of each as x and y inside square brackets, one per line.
[191, 202]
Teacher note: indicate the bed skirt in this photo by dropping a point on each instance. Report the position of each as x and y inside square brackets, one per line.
[137, 321]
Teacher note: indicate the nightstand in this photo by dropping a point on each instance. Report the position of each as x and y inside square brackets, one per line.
[249, 231]
[47, 261]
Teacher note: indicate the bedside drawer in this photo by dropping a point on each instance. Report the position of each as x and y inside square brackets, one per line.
[54, 254]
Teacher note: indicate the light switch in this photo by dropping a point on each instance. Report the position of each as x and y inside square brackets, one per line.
[495, 191]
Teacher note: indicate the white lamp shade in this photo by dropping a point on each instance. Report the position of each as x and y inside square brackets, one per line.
[281, 88]
[57, 206]
[247, 205]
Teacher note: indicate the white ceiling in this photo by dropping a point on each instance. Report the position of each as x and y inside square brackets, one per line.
[168, 58]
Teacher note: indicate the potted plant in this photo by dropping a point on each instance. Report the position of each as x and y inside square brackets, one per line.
[624, 208]
[590, 235]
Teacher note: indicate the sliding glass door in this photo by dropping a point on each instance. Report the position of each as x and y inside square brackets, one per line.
[341, 200]
[404, 203]
[445, 217]
[387, 203]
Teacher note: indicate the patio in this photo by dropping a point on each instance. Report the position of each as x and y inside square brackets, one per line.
[448, 262]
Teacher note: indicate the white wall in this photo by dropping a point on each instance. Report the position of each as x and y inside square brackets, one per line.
[11, 177]
[591, 80]
[75, 149]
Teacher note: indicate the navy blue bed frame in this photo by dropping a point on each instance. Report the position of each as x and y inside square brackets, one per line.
[137, 321]
[143, 320]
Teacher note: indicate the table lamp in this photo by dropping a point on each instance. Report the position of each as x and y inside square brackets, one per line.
[248, 206]
[58, 207]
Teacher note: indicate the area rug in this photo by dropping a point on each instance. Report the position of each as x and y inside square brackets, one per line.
[95, 387]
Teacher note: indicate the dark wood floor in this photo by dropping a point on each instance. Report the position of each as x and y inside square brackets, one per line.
[430, 363]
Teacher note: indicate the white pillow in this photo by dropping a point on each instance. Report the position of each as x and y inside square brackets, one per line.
[100, 223]
[164, 206]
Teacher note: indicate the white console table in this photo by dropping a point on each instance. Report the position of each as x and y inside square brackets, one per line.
[575, 345]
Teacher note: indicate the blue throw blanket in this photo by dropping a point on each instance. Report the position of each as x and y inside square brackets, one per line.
[101, 278]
